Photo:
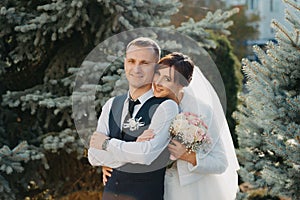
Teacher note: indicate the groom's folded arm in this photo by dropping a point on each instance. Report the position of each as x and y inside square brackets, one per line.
[146, 152]
[98, 157]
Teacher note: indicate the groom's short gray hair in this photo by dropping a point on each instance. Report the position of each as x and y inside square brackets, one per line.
[145, 42]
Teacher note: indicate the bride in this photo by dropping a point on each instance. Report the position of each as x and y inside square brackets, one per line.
[195, 176]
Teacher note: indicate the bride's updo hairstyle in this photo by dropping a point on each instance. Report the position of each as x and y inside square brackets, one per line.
[182, 64]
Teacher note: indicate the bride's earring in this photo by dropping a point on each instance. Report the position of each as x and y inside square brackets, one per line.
[180, 95]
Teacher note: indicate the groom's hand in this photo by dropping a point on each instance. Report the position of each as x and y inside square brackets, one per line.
[97, 140]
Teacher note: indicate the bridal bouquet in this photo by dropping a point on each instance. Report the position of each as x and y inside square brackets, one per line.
[191, 131]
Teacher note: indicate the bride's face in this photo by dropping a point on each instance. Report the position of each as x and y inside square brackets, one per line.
[164, 84]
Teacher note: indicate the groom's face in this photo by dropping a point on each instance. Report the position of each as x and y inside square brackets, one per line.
[139, 66]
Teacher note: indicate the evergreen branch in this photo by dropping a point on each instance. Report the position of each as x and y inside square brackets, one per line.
[275, 23]
[200, 30]
[297, 36]
[294, 5]
[293, 19]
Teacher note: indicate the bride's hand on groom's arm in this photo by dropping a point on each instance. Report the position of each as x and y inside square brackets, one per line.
[179, 151]
[97, 140]
[106, 172]
[146, 136]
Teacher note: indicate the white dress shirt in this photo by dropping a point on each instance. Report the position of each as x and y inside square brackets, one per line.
[120, 152]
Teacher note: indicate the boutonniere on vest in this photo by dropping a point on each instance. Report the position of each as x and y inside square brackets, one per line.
[133, 124]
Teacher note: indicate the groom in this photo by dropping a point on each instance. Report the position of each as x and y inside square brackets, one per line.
[141, 166]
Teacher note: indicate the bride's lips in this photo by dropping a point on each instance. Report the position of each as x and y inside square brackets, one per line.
[157, 88]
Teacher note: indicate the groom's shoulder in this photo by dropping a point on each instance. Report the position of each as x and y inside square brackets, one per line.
[121, 97]
[116, 99]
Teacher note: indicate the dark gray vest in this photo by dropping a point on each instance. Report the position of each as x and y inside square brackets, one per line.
[116, 131]
[135, 181]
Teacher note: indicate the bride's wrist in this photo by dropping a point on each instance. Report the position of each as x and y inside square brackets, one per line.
[189, 157]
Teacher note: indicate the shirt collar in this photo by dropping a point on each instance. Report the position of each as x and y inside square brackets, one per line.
[144, 97]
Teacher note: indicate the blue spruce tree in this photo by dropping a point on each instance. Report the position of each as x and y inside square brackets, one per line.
[269, 117]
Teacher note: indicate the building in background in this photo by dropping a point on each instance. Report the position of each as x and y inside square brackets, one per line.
[266, 10]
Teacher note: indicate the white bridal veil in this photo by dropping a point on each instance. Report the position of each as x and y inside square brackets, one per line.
[201, 89]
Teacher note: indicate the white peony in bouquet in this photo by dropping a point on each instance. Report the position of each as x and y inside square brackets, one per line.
[191, 131]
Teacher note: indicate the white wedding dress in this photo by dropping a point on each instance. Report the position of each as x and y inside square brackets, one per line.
[209, 187]
[215, 175]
